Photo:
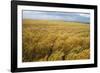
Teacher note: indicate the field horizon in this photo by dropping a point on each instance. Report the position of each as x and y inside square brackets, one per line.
[25, 20]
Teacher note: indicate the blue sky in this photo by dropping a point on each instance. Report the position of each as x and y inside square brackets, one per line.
[48, 15]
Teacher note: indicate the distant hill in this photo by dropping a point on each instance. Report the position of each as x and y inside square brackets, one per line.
[30, 21]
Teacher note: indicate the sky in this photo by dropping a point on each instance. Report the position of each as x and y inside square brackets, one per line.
[51, 15]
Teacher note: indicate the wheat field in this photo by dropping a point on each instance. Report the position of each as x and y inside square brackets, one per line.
[48, 40]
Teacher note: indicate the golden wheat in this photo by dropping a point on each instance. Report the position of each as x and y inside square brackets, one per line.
[45, 40]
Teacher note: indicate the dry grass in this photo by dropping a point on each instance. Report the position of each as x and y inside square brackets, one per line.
[55, 40]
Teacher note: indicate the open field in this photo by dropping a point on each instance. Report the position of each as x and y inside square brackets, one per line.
[47, 40]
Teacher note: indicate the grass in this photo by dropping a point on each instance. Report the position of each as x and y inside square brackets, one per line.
[47, 40]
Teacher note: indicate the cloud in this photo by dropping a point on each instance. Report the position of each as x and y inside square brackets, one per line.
[48, 15]
[85, 15]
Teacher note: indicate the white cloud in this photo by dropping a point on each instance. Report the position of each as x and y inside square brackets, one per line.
[85, 15]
